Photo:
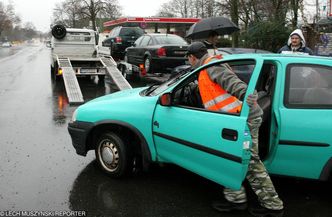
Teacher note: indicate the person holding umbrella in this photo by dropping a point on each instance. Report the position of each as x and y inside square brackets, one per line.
[211, 41]
[209, 29]
[220, 83]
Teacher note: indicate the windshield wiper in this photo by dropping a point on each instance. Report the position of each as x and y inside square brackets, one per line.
[179, 75]
[150, 89]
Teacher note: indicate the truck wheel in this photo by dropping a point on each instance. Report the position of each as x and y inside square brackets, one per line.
[113, 155]
[147, 64]
[52, 73]
[54, 76]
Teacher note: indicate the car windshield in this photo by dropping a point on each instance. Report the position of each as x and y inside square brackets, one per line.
[131, 32]
[170, 39]
[157, 89]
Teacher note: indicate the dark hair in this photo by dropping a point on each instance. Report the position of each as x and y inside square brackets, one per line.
[197, 49]
[213, 33]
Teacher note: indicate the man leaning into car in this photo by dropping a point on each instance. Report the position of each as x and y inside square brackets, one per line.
[222, 90]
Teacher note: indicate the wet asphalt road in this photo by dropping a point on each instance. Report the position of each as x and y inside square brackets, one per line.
[39, 169]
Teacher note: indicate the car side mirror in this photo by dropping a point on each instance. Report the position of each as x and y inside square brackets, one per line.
[165, 99]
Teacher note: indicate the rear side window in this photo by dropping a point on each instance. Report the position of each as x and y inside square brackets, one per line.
[308, 86]
[138, 41]
[170, 39]
[114, 32]
[145, 41]
[137, 32]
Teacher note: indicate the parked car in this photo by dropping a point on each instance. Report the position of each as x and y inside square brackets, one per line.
[159, 53]
[6, 44]
[166, 123]
[120, 38]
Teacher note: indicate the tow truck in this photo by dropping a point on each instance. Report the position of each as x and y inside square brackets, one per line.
[74, 54]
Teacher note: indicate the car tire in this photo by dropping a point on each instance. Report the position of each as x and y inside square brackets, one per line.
[147, 64]
[113, 155]
[124, 72]
[52, 73]
[125, 58]
[59, 31]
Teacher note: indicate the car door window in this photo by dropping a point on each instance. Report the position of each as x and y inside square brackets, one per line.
[150, 42]
[187, 93]
[138, 41]
[308, 86]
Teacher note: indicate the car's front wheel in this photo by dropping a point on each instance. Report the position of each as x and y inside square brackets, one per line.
[113, 155]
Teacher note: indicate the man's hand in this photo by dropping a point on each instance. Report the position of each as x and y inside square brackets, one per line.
[252, 100]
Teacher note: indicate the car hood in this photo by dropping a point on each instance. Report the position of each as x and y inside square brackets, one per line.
[119, 94]
[126, 106]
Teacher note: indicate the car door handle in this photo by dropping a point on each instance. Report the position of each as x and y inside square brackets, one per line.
[229, 134]
[156, 123]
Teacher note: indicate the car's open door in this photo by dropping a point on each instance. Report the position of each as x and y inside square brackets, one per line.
[212, 144]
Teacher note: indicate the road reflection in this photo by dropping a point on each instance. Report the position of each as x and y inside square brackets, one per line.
[91, 88]
[9, 51]
[163, 191]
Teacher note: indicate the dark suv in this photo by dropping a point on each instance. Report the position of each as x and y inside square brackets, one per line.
[120, 38]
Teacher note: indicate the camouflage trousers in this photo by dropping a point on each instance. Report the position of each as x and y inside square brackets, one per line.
[257, 177]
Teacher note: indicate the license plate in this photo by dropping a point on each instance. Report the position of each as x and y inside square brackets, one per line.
[180, 52]
[86, 71]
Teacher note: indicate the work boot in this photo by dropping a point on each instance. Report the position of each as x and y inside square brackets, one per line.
[260, 211]
[226, 206]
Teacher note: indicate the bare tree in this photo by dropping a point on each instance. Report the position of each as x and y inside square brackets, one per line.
[190, 8]
[92, 9]
[295, 7]
[177, 8]
[235, 18]
[7, 17]
[76, 12]
[67, 13]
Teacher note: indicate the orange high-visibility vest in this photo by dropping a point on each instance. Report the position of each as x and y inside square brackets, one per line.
[214, 97]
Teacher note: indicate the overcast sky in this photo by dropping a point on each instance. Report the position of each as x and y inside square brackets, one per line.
[39, 12]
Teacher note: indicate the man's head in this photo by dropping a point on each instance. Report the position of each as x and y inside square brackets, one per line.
[213, 37]
[196, 51]
[296, 39]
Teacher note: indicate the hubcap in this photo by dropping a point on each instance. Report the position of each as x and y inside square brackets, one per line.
[109, 156]
[147, 64]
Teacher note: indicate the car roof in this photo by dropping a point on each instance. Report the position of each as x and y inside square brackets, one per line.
[232, 50]
[162, 34]
[303, 58]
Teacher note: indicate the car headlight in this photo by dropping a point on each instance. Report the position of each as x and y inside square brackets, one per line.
[73, 117]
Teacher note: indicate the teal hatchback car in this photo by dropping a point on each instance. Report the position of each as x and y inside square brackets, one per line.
[167, 123]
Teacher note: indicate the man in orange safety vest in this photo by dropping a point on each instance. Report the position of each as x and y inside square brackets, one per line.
[221, 90]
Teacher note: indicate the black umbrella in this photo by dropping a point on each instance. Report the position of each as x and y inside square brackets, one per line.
[220, 25]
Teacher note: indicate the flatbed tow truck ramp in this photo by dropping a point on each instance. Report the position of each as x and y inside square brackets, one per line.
[74, 54]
